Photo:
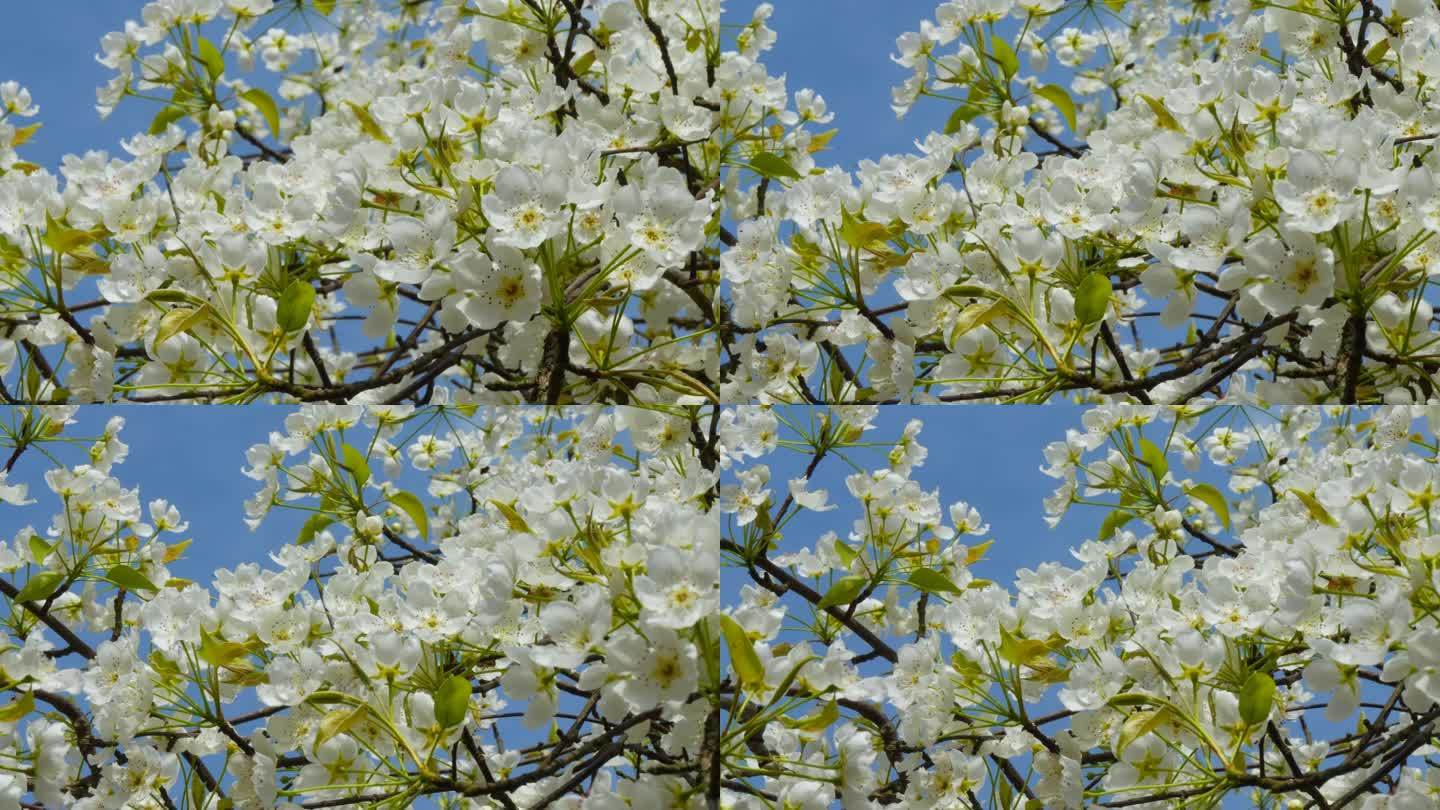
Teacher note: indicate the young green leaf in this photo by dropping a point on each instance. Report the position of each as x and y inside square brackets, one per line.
[959, 117]
[267, 107]
[773, 166]
[40, 586]
[62, 238]
[931, 581]
[39, 549]
[858, 233]
[1163, 116]
[211, 58]
[1113, 522]
[218, 652]
[295, 306]
[354, 461]
[1213, 498]
[411, 506]
[818, 721]
[1021, 651]
[843, 592]
[452, 701]
[1057, 95]
[583, 63]
[339, 721]
[1318, 512]
[1004, 56]
[1138, 725]
[512, 517]
[313, 526]
[163, 119]
[1154, 458]
[325, 6]
[129, 579]
[24, 134]
[1092, 298]
[180, 320]
[368, 124]
[978, 315]
[18, 708]
[1257, 698]
[742, 653]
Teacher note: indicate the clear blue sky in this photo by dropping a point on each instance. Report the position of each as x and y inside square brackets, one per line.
[190, 455]
[50, 48]
[841, 49]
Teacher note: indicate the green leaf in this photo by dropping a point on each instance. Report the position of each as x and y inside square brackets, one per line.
[1092, 298]
[62, 238]
[773, 166]
[168, 295]
[1130, 699]
[40, 586]
[1021, 651]
[39, 549]
[267, 107]
[962, 115]
[411, 506]
[325, 6]
[211, 58]
[18, 708]
[338, 721]
[846, 554]
[1317, 511]
[582, 63]
[217, 652]
[314, 526]
[163, 119]
[1213, 498]
[1113, 522]
[1377, 51]
[978, 315]
[512, 517]
[1257, 698]
[1163, 117]
[368, 124]
[179, 320]
[1004, 56]
[819, 721]
[1060, 97]
[976, 553]
[786, 682]
[354, 461]
[742, 653]
[1154, 458]
[452, 701]
[296, 304]
[843, 592]
[1138, 725]
[858, 233]
[129, 579]
[24, 134]
[931, 581]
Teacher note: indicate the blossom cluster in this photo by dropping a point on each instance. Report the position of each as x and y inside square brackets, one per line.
[350, 200]
[1254, 619]
[1130, 200]
[544, 578]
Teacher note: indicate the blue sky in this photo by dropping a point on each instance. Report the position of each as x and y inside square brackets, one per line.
[189, 455]
[841, 49]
